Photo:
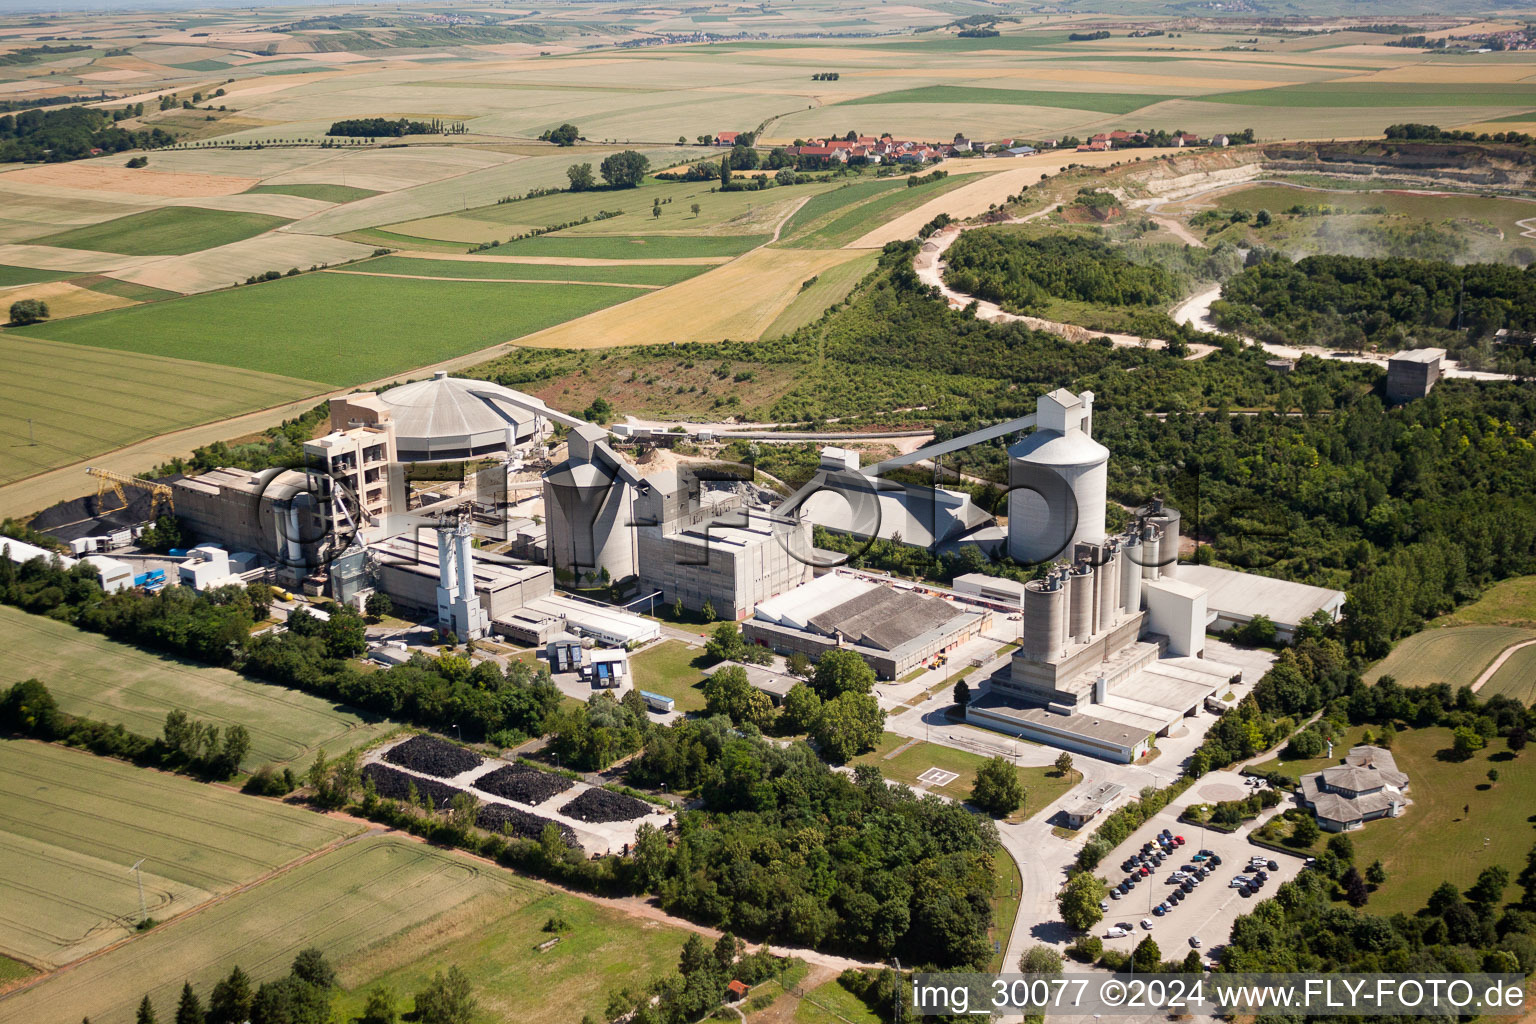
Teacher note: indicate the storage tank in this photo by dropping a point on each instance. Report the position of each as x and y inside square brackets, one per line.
[1130, 575]
[1110, 598]
[1168, 549]
[1044, 617]
[1151, 551]
[1082, 603]
[1058, 479]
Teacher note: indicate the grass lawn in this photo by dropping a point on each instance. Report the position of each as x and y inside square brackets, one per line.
[337, 328]
[632, 247]
[1041, 785]
[672, 669]
[325, 193]
[831, 1003]
[639, 273]
[1456, 656]
[62, 403]
[72, 824]
[29, 275]
[1295, 768]
[168, 231]
[92, 676]
[1007, 888]
[1516, 678]
[493, 940]
[1510, 603]
[967, 95]
[1434, 841]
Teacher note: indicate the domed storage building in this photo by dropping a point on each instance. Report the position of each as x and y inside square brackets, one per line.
[447, 418]
[1058, 477]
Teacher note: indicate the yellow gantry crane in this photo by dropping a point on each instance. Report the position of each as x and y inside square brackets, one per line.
[115, 482]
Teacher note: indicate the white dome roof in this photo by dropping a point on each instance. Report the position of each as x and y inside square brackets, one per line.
[453, 417]
[1048, 448]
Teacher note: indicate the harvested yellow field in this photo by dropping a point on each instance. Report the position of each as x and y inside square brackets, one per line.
[1054, 74]
[230, 264]
[568, 261]
[99, 175]
[1448, 73]
[48, 257]
[738, 301]
[64, 299]
[274, 204]
[978, 196]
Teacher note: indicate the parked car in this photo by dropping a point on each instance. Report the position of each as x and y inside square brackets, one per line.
[1158, 910]
[1178, 840]
[1188, 886]
[1103, 904]
[1116, 933]
[1146, 923]
[1207, 853]
[1194, 942]
[1215, 860]
[1273, 866]
[1114, 894]
[1239, 882]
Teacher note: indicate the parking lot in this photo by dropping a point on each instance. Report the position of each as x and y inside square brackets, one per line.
[1210, 908]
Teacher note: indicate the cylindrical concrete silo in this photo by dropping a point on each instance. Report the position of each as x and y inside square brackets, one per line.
[1151, 551]
[1057, 497]
[1168, 550]
[1044, 617]
[1110, 597]
[1082, 603]
[1130, 574]
[587, 515]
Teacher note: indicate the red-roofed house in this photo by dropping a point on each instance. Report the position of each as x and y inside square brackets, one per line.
[727, 138]
[736, 991]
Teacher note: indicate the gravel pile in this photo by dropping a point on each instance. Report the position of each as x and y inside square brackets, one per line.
[433, 756]
[523, 783]
[605, 805]
[394, 784]
[504, 820]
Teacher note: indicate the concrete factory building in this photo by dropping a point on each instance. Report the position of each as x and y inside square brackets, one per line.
[1412, 373]
[447, 418]
[697, 551]
[1235, 598]
[1057, 479]
[589, 504]
[893, 630]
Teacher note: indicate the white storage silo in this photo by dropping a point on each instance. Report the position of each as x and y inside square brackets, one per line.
[1058, 479]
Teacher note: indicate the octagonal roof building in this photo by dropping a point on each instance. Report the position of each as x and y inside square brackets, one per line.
[458, 418]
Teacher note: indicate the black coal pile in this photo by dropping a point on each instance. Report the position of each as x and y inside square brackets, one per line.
[92, 515]
[605, 805]
[394, 784]
[433, 756]
[504, 820]
[525, 784]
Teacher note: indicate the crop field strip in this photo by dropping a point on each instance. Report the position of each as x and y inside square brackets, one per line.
[330, 322]
[641, 274]
[1455, 655]
[94, 677]
[344, 901]
[60, 404]
[168, 231]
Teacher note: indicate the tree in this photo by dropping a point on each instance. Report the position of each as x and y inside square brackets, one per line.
[708, 611]
[656, 208]
[725, 171]
[1493, 775]
[1079, 901]
[677, 608]
[1354, 887]
[1488, 891]
[380, 1007]
[1376, 874]
[1306, 831]
[311, 967]
[28, 311]
[378, 605]
[962, 694]
[1147, 957]
[848, 725]
[725, 642]
[797, 664]
[146, 1013]
[581, 177]
[565, 135]
[842, 671]
[1041, 960]
[447, 999]
[624, 170]
[801, 708]
[1516, 739]
[997, 789]
[189, 1009]
[230, 1001]
[695, 208]
[1063, 763]
[727, 692]
[1467, 741]
[1342, 847]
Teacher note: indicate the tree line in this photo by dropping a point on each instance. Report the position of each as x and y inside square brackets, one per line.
[70, 133]
[383, 127]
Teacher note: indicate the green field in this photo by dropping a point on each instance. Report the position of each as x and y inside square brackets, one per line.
[632, 247]
[1007, 889]
[640, 273]
[968, 95]
[168, 231]
[62, 403]
[852, 222]
[494, 941]
[12, 971]
[1515, 679]
[831, 287]
[831, 1003]
[1509, 603]
[337, 328]
[1456, 656]
[325, 193]
[29, 275]
[71, 825]
[1381, 94]
[94, 677]
[1042, 785]
[821, 208]
[343, 902]
[1434, 841]
[669, 669]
